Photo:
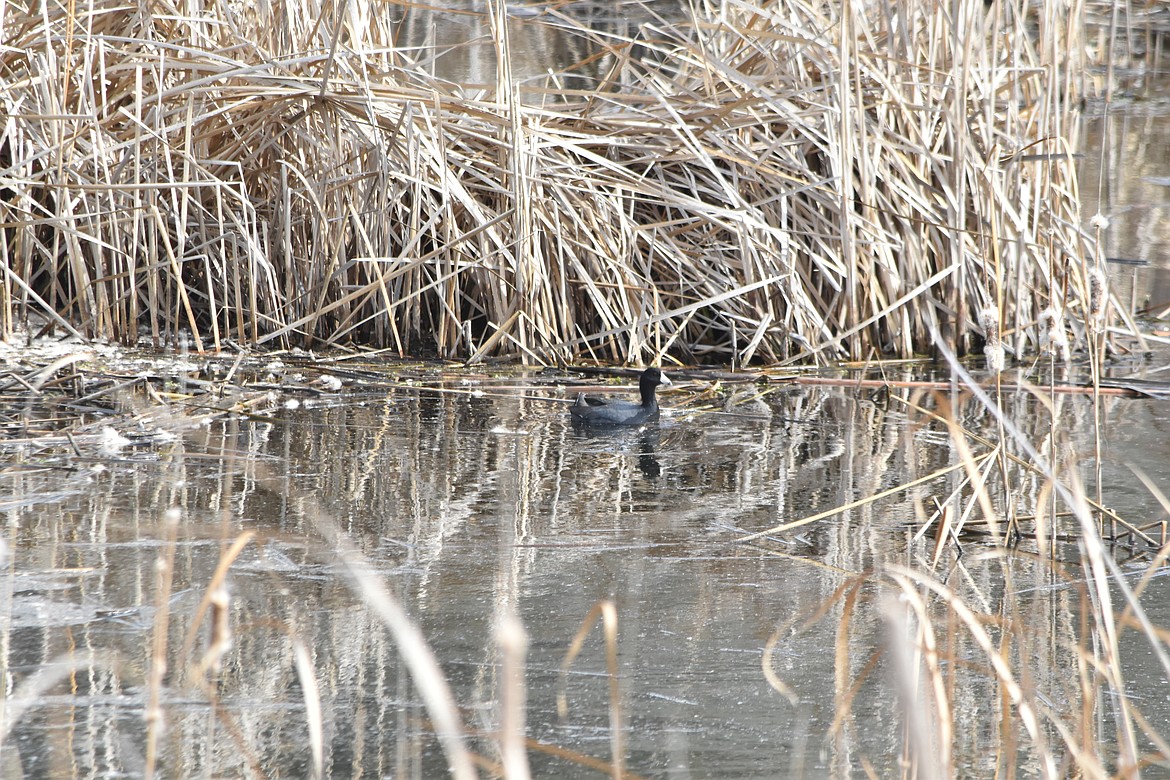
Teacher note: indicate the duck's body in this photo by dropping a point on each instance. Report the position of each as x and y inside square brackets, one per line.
[592, 410]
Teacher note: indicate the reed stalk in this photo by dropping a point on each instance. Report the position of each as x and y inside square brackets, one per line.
[794, 181]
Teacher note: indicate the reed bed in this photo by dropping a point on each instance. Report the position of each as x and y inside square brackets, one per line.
[757, 182]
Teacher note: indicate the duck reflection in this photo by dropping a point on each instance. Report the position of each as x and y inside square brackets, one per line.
[648, 454]
[643, 441]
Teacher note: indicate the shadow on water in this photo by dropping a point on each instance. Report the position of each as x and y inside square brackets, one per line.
[465, 499]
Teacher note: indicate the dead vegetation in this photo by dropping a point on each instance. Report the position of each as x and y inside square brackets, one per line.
[754, 182]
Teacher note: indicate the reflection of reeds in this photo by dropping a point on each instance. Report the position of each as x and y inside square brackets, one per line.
[440, 508]
[771, 182]
[970, 636]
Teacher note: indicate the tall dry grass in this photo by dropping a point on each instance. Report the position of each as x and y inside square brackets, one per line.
[761, 181]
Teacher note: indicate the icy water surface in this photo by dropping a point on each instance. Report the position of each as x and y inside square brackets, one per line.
[468, 496]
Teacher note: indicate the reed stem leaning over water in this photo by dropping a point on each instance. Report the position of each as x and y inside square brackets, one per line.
[794, 181]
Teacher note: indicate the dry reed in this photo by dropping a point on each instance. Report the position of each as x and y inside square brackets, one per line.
[766, 182]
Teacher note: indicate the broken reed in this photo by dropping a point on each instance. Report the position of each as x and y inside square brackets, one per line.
[768, 182]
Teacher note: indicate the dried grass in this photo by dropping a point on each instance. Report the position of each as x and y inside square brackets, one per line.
[767, 182]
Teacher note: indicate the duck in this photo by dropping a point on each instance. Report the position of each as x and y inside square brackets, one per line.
[592, 410]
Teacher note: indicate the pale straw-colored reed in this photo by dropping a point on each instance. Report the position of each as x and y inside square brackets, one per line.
[787, 181]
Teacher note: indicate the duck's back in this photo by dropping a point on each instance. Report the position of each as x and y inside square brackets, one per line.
[606, 411]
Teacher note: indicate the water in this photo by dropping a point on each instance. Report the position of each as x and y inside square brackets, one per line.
[468, 495]
[552, 46]
[1125, 175]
